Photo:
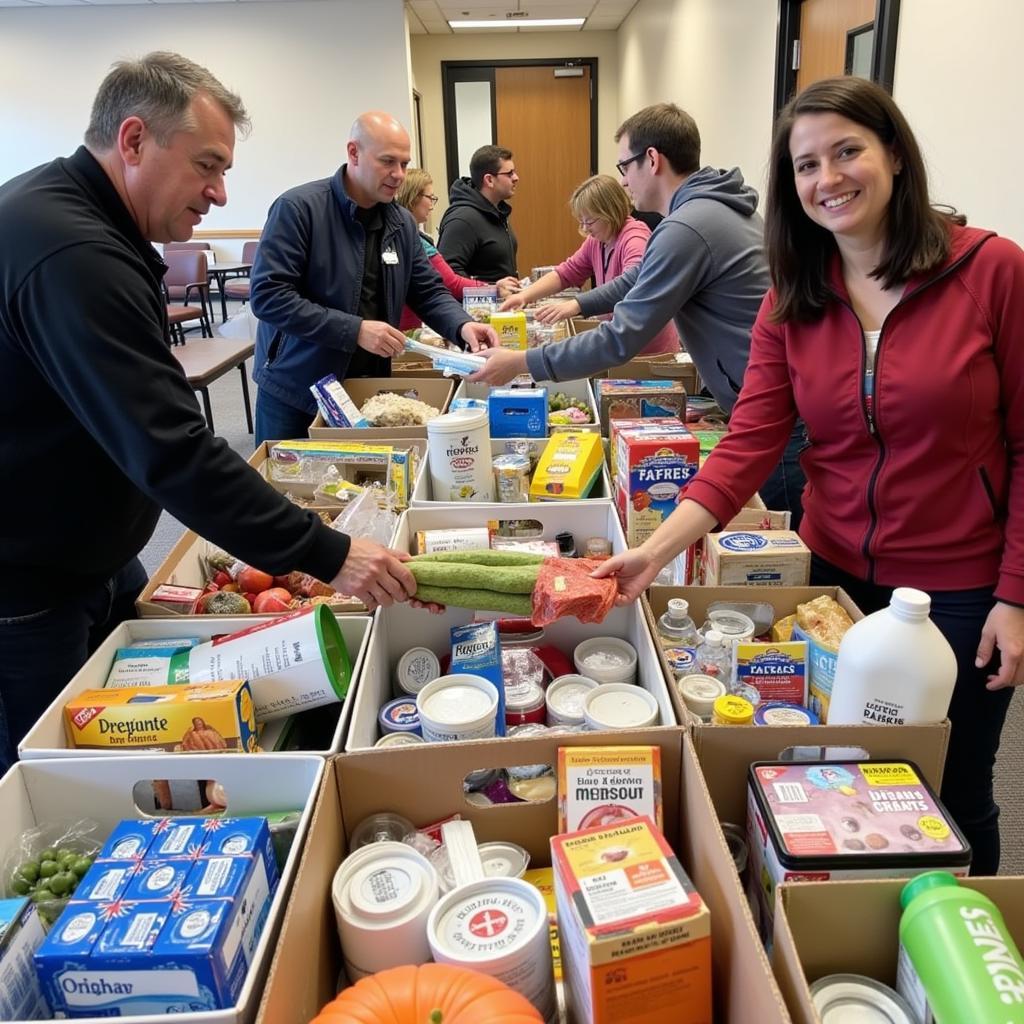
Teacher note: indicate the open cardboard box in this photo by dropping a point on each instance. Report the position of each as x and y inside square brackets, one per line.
[809, 917]
[435, 391]
[425, 784]
[580, 389]
[52, 793]
[47, 737]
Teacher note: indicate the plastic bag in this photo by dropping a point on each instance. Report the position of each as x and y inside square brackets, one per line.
[565, 587]
[242, 326]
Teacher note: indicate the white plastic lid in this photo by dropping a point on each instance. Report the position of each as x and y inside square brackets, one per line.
[504, 860]
[852, 999]
[385, 889]
[619, 706]
[460, 419]
[457, 704]
[713, 637]
[417, 667]
[910, 604]
[678, 607]
[699, 693]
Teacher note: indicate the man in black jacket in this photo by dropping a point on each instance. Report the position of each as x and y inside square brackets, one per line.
[99, 428]
[475, 237]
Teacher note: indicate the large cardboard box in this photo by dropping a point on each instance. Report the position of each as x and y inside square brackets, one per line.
[425, 785]
[47, 739]
[580, 389]
[38, 793]
[853, 927]
[436, 391]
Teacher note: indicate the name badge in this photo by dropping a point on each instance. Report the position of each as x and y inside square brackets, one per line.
[390, 257]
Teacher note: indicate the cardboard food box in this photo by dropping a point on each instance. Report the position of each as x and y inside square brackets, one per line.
[638, 399]
[323, 729]
[425, 784]
[510, 328]
[434, 390]
[518, 412]
[776, 558]
[47, 793]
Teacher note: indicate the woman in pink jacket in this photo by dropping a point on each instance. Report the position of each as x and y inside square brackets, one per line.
[615, 241]
[416, 194]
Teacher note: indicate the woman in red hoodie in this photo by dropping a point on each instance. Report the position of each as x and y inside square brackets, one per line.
[897, 334]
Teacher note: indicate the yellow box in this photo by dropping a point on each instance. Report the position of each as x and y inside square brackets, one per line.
[206, 717]
[568, 467]
[510, 328]
[543, 880]
[600, 786]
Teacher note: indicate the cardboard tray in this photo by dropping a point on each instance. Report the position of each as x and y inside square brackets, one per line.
[425, 784]
[35, 793]
[435, 391]
[47, 738]
[573, 388]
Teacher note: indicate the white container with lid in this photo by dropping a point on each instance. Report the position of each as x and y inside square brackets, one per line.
[457, 707]
[499, 860]
[606, 659]
[699, 693]
[564, 699]
[735, 627]
[383, 895]
[855, 999]
[399, 739]
[619, 706]
[417, 667]
[499, 927]
[460, 456]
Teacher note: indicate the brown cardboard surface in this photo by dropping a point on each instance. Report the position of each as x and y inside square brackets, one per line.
[432, 390]
[867, 913]
[425, 784]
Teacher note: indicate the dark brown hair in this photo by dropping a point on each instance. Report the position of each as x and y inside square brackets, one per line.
[799, 251]
[669, 130]
[487, 160]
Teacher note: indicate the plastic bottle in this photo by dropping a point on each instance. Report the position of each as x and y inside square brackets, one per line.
[675, 627]
[958, 961]
[894, 667]
[714, 657]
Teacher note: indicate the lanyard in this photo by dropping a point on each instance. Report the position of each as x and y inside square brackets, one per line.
[606, 259]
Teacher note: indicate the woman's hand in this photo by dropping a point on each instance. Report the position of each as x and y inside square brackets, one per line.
[554, 312]
[1004, 629]
[507, 287]
[634, 569]
[514, 301]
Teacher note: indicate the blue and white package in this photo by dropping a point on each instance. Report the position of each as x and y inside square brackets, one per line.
[151, 664]
[242, 837]
[334, 403]
[467, 403]
[130, 839]
[21, 934]
[476, 649]
[518, 412]
[106, 881]
[447, 361]
[179, 837]
[157, 880]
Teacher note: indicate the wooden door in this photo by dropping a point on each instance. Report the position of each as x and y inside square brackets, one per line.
[824, 25]
[545, 121]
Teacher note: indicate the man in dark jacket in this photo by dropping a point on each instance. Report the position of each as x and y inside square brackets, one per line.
[337, 262]
[99, 428]
[475, 237]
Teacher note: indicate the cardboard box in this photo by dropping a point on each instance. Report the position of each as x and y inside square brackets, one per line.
[568, 468]
[638, 399]
[435, 391]
[425, 785]
[21, 932]
[867, 916]
[46, 739]
[47, 793]
[579, 389]
[757, 557]
[674, 365]
[518, 412]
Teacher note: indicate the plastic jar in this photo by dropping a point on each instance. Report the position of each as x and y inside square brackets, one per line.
[457, 707]
[730, 710]
[606, 659]
[565, 697]
[699, 693]
[525, 705]
[619, 706]
[460, 456]
[735, 627]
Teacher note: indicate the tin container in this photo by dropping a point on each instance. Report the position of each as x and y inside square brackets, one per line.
[606, 659]
[842, 998]
[498, 926]
[525, 706]
[417, 667]
[399, 739]
[619, 706]
[782, 713]
[564, 699]
[399, 715]
[457, 707]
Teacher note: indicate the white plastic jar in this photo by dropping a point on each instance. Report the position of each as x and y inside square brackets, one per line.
[460, 456]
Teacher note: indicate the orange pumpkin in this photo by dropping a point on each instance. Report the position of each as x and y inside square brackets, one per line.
[429, 994]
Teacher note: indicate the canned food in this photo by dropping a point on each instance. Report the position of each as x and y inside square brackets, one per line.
[399, 739]
[782, 713]
[417, 667]
[852, 997]
[457, 707]
[619, 706]
[525, 704]
[399, 715]
[564, 699]
[504, 860]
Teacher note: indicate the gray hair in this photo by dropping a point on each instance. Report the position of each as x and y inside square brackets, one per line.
[157, 88]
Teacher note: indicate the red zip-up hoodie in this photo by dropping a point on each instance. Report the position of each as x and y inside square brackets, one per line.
[928, 489]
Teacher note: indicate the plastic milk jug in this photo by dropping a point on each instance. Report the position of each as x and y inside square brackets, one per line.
[894, 667]
[958, 962]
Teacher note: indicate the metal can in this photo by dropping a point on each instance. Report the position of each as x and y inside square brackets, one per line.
[780, 712]
[525, 704]
[399, 739]
[417, 667]
[399, 715]
[848, 997]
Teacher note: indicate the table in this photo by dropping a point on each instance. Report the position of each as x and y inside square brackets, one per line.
[220, 272]
[208, 359]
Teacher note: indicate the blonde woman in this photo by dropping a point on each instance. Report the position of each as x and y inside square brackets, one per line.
[416, 194]
[614, 241]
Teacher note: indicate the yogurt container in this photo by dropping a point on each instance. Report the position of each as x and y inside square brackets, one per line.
[734, 626]
[399, 715]
[460, 456]
[783, 713]
[619, 706]
[383, 896]
[699, 693]
[399, 739]
[417, 667]
[842, 998]
[564, 699]
[606, 659]
[498, 926]
[457, 707]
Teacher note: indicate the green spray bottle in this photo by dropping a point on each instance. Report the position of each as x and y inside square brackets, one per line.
[958, 962]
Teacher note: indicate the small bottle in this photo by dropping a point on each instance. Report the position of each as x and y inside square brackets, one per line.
[714, 657]
[958, 961]
[598, 548]
[675, 627]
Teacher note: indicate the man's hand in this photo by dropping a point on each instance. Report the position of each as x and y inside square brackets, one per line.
[381, 339]
[478, 336]
[1004, 628]
[375, 575]
[634, 570]
[502, 365]
[554, 312]
[508, 286]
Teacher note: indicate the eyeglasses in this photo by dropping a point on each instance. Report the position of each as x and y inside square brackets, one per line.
[507, 174]
[433, 199]
[588, 224]
[623, 164]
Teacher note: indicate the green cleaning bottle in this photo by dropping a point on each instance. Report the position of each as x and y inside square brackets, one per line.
[958, 962]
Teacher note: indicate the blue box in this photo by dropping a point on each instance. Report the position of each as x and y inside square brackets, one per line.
[518, 412]
[157, 880]
[130, 839]
[179, 837]
[476, 649]
[105, 881]
[21, 934]
[238, 837]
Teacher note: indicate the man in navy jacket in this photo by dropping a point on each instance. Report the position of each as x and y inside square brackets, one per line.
[337, 261]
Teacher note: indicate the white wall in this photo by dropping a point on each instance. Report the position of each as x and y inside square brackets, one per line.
[304, 70]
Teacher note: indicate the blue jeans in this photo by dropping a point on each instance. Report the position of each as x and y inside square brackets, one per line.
[976, 714]
[41, 651]
[784, 489]
[278, 421]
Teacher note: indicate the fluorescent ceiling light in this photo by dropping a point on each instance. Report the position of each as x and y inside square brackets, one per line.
[520, 23]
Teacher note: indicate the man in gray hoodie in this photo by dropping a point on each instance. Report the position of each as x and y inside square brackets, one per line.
[704, 265]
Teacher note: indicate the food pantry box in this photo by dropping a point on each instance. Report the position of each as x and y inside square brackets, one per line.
[579, 389]
[433, 391]
[756, 557]
[45, 793]
[47, 738]
[425, 785]
[868, 915]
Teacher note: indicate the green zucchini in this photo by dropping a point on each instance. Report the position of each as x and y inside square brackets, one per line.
[481, 600]
[505, 579]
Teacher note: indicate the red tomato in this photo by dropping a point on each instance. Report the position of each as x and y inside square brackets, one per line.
[221, 578]
[276, 599]
[251, 598]
[254, 581]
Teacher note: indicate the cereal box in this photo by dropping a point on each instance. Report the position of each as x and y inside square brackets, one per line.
[777, 671]
[632, 423]
[568, 467]
[208, 716]
[635, 936]
[617, 399]
[600, 786]
[761, 558]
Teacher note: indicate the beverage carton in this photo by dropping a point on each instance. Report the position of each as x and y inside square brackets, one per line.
[511, 329]
[518, 412]
[568, 468]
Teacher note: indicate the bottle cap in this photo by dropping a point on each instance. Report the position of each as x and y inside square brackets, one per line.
[730, 710]
[713, 637]
[922, 883]
[911, 604]
[678, 607]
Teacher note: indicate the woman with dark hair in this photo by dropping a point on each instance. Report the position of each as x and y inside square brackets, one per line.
[897, 334]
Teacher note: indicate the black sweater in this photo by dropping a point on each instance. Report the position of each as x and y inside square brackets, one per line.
[475, 237]
[99, 428]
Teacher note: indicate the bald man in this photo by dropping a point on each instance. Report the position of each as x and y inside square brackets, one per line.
[337, 261]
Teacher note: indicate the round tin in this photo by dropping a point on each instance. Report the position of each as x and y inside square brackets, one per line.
[699, 693]
[849, 998]
[564, 699]
[619, 706]
[498, 926]
[417, 667]
[736, 840]
[399, 715]
[399, 739]
[457, 707]
[525, 705]
[730, 710]
[503, 860]
[606, 659]
[780, 712]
